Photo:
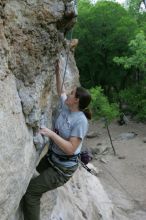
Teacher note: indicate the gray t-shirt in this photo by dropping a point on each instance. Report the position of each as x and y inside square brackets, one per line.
[69, 124]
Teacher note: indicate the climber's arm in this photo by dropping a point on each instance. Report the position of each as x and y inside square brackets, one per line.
[68, 146]
[60, 88]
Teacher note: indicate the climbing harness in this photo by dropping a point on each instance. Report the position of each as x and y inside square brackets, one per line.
[79, 158]
[57, 168]
[62, 158]
[73, 158]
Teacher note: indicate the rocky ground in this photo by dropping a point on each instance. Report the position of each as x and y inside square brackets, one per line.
[123, 175]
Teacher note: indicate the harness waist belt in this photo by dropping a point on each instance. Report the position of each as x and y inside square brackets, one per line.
[64, 157]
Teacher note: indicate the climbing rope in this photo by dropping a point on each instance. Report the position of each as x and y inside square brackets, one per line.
[92, 171]
[67, 58]
[108, 131]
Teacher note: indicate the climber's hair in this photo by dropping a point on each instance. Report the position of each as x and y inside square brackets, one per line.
[84, 100]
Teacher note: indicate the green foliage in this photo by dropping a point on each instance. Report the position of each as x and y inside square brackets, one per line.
[112, 54]
[134, 6]
[141, 20]
[138, 54]
[104, 31]
[135, 96]
[135, 100]
[100, 105]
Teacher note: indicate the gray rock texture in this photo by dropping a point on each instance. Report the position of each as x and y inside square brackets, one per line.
[82, 200]
[31, 39]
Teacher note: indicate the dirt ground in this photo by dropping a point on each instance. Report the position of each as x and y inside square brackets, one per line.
[124, 175]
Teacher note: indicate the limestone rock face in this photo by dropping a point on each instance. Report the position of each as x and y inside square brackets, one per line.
[31, 39]
[83, 198]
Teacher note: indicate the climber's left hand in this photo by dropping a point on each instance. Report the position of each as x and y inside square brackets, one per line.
[46, 132]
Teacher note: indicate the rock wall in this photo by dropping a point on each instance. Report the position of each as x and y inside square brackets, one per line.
[82, 198]
[31, 39]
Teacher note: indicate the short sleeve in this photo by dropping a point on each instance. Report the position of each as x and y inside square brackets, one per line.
[80, 129]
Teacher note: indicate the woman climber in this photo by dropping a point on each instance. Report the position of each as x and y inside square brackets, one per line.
[57, 167]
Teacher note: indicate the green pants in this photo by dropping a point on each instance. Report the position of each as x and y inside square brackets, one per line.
[48, 179]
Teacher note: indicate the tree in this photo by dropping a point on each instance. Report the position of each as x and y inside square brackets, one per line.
[134, 95]
[100, 106]
[141, 20]
[104, 31]
[134, 5]
[137, 59]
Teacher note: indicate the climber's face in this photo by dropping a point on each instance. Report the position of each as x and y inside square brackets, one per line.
[71, 100]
